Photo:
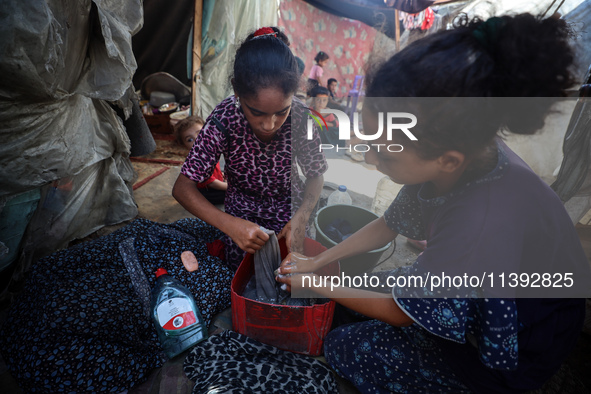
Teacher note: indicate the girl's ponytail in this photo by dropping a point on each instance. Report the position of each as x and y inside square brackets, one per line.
[264, 60]
[508, 56]
[531, 57]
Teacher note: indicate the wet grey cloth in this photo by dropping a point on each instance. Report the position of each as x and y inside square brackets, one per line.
[263, 287]
[266, 261]
[233, 363]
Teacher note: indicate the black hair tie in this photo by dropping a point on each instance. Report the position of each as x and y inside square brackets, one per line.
[487, 33]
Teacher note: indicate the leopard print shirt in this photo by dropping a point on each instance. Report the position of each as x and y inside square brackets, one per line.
[260, 175]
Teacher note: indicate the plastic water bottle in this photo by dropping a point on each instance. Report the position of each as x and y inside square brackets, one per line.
[340, 196]
[177, 319]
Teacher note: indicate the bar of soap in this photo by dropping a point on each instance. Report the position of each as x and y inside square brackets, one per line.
[189, 261]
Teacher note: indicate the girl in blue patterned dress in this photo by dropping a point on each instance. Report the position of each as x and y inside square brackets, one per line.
[258, 130]
[479, 206]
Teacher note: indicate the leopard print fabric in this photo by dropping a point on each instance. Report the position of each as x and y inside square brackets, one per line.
[260, 175]
[233, 363]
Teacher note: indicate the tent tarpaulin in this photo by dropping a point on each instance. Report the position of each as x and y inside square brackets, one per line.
[64, 65]
[347, 42]
[381, 17]
[165, 40]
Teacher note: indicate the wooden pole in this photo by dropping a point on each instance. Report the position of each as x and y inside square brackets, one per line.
[196, 69]
[397, 26]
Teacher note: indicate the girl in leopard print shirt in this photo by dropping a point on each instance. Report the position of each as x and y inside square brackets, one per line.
[261, 131]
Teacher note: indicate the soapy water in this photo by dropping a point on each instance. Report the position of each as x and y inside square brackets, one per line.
[263, 287]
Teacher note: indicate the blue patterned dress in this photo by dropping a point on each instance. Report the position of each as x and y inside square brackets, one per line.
[464, 341]
[83, 322]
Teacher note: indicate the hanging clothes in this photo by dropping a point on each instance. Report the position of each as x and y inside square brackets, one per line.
[423, 20]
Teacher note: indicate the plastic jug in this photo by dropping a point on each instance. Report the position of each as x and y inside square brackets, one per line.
[177, 319]
[340, 196]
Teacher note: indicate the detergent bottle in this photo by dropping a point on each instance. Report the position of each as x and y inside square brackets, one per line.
[177, 319]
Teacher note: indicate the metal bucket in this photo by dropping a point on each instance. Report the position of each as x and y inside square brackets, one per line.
[357, 217]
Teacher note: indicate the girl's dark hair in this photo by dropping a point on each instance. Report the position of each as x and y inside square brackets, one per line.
[320, 56]
[510, 56]
[265, 61]
[185, 124]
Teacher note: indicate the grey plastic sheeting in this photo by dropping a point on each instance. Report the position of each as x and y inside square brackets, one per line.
[574, 178]
[580, 21]
[62, 63]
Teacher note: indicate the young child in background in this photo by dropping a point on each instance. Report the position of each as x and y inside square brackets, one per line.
[214, 189]
[187, 130]
[320, 97]
[320, 100]
[479, 206]
[315, 76]
[332, 85]
[334, 101]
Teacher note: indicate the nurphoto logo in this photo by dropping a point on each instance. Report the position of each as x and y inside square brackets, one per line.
[392, 120]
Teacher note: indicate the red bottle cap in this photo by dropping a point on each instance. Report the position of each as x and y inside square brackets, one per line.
[161, 271]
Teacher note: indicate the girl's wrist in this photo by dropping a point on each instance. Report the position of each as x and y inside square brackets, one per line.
[320, 261]
[300, 216]
[229, 224]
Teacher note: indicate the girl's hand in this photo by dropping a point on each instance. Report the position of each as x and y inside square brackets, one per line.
[286, 233]
[247, 235]
[291, 281]
[297, 263]
[294, 232]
